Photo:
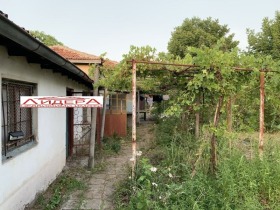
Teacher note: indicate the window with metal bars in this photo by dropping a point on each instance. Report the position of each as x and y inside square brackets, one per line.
[17, 125]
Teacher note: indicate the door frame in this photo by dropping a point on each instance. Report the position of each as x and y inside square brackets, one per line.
[69, 126]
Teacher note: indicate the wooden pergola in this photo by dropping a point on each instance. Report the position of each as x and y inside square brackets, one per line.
[189, 69]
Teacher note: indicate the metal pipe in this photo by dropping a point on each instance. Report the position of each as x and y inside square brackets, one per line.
[161, 63]
[193, 65]
[133, 117]
[247, 69]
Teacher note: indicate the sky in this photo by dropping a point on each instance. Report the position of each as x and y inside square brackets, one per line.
[112, 26]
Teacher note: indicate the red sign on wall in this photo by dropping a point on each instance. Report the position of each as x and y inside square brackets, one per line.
[61, 101]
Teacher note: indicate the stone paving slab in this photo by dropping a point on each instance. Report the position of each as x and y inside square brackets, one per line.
[70, 204]
[94, 193]
[93, 204]
[101, 185]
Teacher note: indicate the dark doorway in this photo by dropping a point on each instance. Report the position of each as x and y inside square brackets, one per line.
[69, 126]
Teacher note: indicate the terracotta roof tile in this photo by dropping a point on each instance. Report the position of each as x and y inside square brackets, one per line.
[71, 54]
[110, 63]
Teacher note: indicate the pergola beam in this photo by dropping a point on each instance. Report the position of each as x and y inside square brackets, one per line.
[191, 69]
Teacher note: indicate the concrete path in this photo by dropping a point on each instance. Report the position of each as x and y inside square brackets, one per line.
[101, 185]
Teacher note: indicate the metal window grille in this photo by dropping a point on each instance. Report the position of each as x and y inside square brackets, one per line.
[15, 119]
[82, 127]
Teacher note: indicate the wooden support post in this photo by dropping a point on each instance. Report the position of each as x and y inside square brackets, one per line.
[214, 160]
[133, 159]
[103, 114]
[93, 123]
[229, 114]
[98, 129]
[197, 118]
[262, 95]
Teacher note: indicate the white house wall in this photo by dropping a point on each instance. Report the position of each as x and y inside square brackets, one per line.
[30, 172]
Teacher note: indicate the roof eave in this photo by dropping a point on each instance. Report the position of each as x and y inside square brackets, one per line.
[18, 35]
[77, 61]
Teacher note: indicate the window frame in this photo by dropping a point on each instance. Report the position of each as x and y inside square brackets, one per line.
[117, 102]
[11, 148]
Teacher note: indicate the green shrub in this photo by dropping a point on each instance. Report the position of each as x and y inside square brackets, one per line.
[59, 190]
[112, 143]
[242, 181]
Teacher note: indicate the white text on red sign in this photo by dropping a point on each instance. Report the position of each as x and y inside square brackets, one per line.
[61, 101]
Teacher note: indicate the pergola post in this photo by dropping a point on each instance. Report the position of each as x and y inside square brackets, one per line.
[93, 122]
[197, 118]
[138, 107]
[133, 159]
[262, 95]
[229, 114]
[103, 114]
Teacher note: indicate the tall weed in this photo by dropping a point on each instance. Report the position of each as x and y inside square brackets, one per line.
[242, 181]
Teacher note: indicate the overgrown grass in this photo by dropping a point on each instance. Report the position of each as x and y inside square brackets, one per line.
[112, 144]
[58, 192]
[176, 175]
[72, 180]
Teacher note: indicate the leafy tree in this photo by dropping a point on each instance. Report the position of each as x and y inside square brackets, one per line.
[267, 41]
[196, 32]
[118, 77]
[204, 88]
[46, 39]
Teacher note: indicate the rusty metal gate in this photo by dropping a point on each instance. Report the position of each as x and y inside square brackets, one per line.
[81, 128]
